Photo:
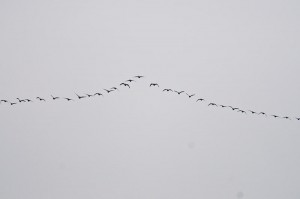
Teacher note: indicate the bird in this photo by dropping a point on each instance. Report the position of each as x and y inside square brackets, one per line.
[275, 116]
[114, 88]
[212, 104]
[41, 99]
[223, 106]
[200, 99]
[4, 101]
[80, 97]
[154, 84]
[21, 100]
[69, 99]
[54, 98]
[108, 91]
[98, 94]
[233, 108]
[190, 95]
[297, 118]
[28, 100]
[179, 92]
[262, 113]
[89, 95]
[130, 80]
[286, 117]
[12, 103]
[253, 112]
[242, 111]
[167, 89]
[124, 84]
[139, 76]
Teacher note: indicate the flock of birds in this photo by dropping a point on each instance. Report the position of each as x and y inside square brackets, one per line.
[134, 79]
[236, 109]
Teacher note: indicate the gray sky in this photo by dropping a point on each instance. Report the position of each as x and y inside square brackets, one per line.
[140, 142]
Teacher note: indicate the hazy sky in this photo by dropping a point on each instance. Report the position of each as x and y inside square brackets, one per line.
[139, 142]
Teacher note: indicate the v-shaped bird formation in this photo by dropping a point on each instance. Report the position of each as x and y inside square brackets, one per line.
[127, 83]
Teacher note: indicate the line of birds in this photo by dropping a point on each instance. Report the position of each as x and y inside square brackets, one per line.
[124, 84]
[220, 105]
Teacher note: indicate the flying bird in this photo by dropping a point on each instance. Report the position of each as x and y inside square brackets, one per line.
[69, 99]
[154, 84]
[223, 106]
[54, 98]
[233, 108]
[4, 101]
[130, 80]
[108, 91]
[89, 95]
[98, 94]
[190, 95]
[242, 111]
[200, 99]
[80, 97]
[41, 99]
[12, 103]
[253, 112]
[212, 104]
[286, 117]
[28, 100]
[167, 89]
[179, 92]
[21, 100]
[262, 113]
[139, 76]
[297, 118]
[275, 116]
[124, 84]
[114, 88]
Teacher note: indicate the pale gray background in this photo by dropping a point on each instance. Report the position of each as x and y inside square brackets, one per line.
[140, 142]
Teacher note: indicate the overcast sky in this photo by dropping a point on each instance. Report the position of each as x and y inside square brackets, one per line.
[140, 142]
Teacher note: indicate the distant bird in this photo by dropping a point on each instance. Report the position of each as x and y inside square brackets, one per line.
[89, 95]
[98, 94]
[167, 89]
[286, 117]
[114, 88]
[233, 108]
[41, 99]
[253, 112]
[200, 99]
[179, 92]
[54, 98]
[212, 104]
[80, 97]
[108, 91]
[275, 116]
[130, 80]
[223, 106]
[297, 118]
[12, 103]
[124, 84]
[28, 100]
[262, 113]
[154, 84]
[190, 95]
[139, 76]
[4, 101]
[69, 99]
[21, 100]
[242, 111]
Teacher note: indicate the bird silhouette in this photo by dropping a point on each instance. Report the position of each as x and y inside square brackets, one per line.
[200, 99]
[190, 95]
[212, 104]
[139, 76]
[179, 92]
[28, 100]
[297, 118]
[242, 111]
[167, 89]
[4, 101]
[80, 97]
[223, 106]
[154, 84]
[286, 117]
[233, 108]
[114, 88]
[262, 113]
[98, 94]
[89, 95]
[275, 116]
[130, 80]
[124, 84]
[69, 99]
[108, 91]
[54, 98]
[20, 100]
[253, 112]
[41, 99]
[12, 103]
